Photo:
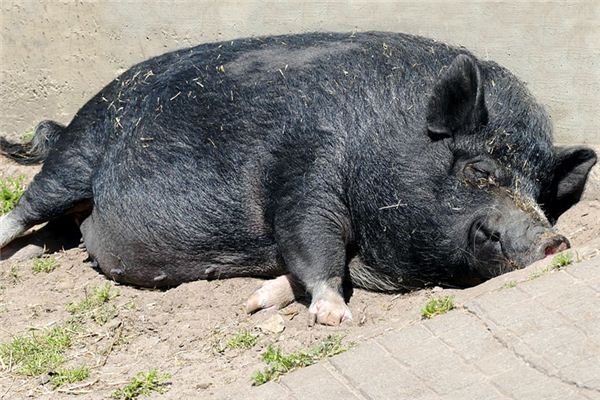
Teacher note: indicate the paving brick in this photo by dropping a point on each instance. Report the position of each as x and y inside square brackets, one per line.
[584, 310]
[552, 281]
[471, 340]
[371, 369]
[590, 325]
[578, 295]
[524, 382]
[454, 320]
[517, 319]
[316, 382]
[561, 345]
[585, 372]
[427, 349]
[268, 391]
[409, 345]
[582, 313]
[496, 363]
[578, 395]
[447, 373]
[588, 273]
[484, 390]
[432, 361]
[587, 269]
[503, 299]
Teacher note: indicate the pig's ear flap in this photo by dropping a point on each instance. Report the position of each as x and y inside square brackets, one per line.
[457, 102]
[571, 170]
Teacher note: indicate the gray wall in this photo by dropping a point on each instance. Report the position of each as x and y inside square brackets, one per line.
[56, 54]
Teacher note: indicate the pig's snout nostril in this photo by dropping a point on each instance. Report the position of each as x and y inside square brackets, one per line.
[494, 236]
[556, 244]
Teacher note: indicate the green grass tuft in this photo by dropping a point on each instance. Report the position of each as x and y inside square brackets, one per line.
[537, 274]
[243, 340]
[46, 264]
[68, 376]
[279, 363]
[11, 190]
[28, 136]
[99, 295]
[95, 304]
[143, 384]
[510, 284]
[13, 274]
[561, 260]
[37, 353]
[437, 307]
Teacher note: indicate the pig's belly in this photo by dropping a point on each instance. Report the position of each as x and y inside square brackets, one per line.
[128, 255]
[157, 223]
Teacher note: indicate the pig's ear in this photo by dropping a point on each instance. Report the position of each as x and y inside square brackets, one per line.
[457, 102]
[570, 174]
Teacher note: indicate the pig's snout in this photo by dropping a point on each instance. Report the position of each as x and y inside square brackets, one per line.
[554, 244]
[504, 241]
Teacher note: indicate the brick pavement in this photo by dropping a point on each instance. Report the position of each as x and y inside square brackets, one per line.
[538, 340]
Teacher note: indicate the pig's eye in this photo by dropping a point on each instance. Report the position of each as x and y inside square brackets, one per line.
[481, 173]
[477, 171]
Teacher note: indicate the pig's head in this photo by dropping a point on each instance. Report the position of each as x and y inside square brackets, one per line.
[499, 178]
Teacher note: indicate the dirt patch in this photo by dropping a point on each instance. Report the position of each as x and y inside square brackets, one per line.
[185, 331]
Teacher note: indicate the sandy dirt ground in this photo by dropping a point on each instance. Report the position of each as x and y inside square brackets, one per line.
[184, 331]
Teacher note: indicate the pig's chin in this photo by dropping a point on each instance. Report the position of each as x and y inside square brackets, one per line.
[487, 270]
[490, 259]
[489, 262]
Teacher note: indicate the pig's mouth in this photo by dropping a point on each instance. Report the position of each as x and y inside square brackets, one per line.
[496, 251]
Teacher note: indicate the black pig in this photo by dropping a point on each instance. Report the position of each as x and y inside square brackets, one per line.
[384, 160]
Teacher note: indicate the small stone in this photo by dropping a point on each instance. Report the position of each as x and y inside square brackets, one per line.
[437, 289]
[274, 324]
[64, 284]
[113, 324]
[44, 379]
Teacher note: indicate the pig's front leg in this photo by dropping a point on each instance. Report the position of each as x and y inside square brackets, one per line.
[312, 242]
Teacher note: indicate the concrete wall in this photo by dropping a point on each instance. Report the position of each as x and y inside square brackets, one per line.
[56, 54]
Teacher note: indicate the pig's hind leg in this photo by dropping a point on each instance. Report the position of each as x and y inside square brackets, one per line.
[10, 227]
[62, 186]
[38, 205]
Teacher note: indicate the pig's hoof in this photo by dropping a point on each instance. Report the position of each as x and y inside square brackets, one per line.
[275, 293]
[328, 309]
